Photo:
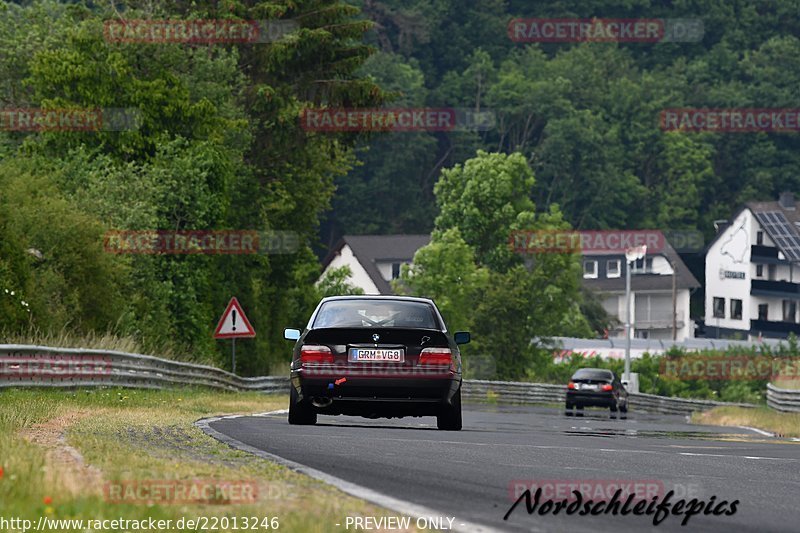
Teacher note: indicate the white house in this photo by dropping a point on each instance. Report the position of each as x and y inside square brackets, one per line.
[752, 288]
[655, 279]
[374, 260]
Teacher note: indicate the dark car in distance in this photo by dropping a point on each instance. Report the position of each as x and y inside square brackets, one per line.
[596, 387]
[376, 356]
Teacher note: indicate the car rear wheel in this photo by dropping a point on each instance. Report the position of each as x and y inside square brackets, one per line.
[449, 419]
[623, 409]
[568, 409]
[300, 413]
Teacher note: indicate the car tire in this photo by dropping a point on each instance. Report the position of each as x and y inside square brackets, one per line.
[449, 419]
[580, 411]
[568, 409]
[623, 409]
[300, 413]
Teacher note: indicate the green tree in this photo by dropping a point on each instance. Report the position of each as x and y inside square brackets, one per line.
[446, 270]
[380, 195]
[217, 145]
[687, 169]
[486, 198]
[335, 283]
[512, 305]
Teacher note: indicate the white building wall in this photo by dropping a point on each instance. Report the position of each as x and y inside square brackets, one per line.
[359, 276]
[614, 303]
[731, 254]
[661, 266]
[385, 268]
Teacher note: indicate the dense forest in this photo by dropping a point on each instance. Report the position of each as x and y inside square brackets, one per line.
[576, 142]
[585, 115]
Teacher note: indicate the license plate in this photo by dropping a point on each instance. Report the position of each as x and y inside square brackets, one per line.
[588, 386]
[392, 355]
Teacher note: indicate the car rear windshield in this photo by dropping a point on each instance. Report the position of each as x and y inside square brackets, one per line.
[375, 313]
[594, 375]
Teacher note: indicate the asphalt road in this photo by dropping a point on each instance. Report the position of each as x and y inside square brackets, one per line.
[471, 474]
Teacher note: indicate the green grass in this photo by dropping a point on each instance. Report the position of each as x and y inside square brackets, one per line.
[784, 424]
[100, 341]
[127, 435]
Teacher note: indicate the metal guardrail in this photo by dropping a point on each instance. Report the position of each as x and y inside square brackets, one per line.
[785, 400]
[531, 393]
[656, 346]
[43, 366]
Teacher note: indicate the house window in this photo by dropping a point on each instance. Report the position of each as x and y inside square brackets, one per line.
[652, 308]
[759, 271]
[395, 270]
[641, 334]
[759, 238]
[772, 271]
[789, 311]
[719, 307]
[590, 269]
[736, 309]
[763, 310]
[612, 268]
[643, 265]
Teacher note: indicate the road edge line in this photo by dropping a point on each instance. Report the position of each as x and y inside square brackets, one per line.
[387, 502]
[759, 431]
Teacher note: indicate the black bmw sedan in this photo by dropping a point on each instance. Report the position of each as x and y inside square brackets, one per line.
[376, 356]
[596, 387]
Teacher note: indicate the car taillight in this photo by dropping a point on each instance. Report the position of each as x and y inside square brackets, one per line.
[607, 387]
[435, 356]
[571, 385]
[315, 354]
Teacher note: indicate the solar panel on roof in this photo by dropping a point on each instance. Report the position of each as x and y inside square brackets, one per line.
[782, 232]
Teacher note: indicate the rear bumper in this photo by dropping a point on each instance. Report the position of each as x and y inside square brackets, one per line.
[377, 396]
[591, 398]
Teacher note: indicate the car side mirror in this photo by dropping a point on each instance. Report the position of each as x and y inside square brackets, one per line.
[461, 337]
[291, 334]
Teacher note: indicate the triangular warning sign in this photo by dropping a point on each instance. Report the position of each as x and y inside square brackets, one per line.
[234, 323]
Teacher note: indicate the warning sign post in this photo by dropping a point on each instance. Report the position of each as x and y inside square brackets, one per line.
[232, 325]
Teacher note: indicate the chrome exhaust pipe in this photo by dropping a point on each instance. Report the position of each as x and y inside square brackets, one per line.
[321, 402]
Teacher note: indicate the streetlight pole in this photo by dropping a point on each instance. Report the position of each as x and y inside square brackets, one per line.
[628, 320]
[631, 255]
[674, 300]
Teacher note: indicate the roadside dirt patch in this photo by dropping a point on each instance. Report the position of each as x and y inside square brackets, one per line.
[171, 442]
[66, 467]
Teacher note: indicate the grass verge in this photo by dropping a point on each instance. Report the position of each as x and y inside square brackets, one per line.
[783, 424]
[63, 453]
[101, 341]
